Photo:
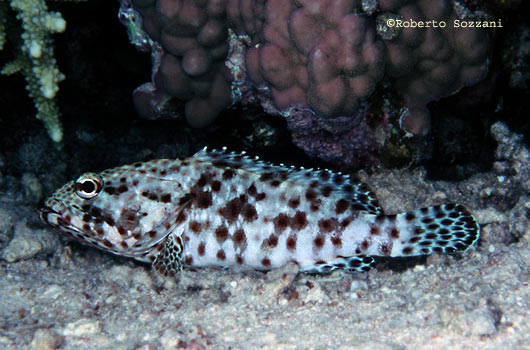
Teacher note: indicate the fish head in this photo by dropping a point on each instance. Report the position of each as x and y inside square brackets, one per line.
[128, 210]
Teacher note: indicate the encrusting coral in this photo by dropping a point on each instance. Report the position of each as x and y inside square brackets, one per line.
[316, 62]
[34, 57]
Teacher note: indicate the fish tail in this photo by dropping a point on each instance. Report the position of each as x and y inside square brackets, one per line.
[448, 228]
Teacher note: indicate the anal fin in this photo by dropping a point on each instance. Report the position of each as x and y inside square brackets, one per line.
[358, 263]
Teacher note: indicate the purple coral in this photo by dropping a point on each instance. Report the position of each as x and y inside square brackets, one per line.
[310, 60]
[429, 63]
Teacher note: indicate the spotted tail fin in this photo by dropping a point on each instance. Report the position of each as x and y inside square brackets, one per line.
[448, 228]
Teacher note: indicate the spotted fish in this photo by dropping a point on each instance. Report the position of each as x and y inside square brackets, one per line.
[225, 209]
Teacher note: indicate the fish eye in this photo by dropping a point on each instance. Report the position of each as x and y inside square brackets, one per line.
[88, 186]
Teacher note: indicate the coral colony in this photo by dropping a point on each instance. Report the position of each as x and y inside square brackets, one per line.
[314, 61]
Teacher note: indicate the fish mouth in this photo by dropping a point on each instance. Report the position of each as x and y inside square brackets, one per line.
[56, 220]
[44, 214]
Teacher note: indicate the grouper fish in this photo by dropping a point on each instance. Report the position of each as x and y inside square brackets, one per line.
[219, 208]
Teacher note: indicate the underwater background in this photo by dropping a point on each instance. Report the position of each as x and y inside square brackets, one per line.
[422, 120]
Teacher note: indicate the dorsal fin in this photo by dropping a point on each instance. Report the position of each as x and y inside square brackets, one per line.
[326, 181]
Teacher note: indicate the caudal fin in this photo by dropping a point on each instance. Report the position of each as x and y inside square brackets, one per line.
[448, 228]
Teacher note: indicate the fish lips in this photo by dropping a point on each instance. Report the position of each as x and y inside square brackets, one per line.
[56, 220]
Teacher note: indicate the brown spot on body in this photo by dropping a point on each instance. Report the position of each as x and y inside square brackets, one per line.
[239, 237]
[109, 189]
[86, 218]
[221, 233]
[394, 232]
[374, 230]
[216, 186]
[109, 220]
[346, 222]
[315, 205]
[294, 202]
[319, 241]
[122, 189]
[203, 180]
[261, 196]
[239, 259]
[124, 244]
[272, 241]
[249, 212]
[341, 206]
[204, 200]
[221, 254]
[122, 231]
[385, 249]
[251, 190]
[326, 191]
[275, 183]
[165, 198]
[181, 217]
[391, 218]
[201, 249]
[410, 216]
[327, 225]
[291, 243]
[228, 174]
[310, 195]
[365, 245]
[336, 241]
[299, 221]
[107, 243]
[380, 218]
[232, 209]
[266, 176]
[266, 262]
[188, 260]
[195, 227]
[281, 222]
